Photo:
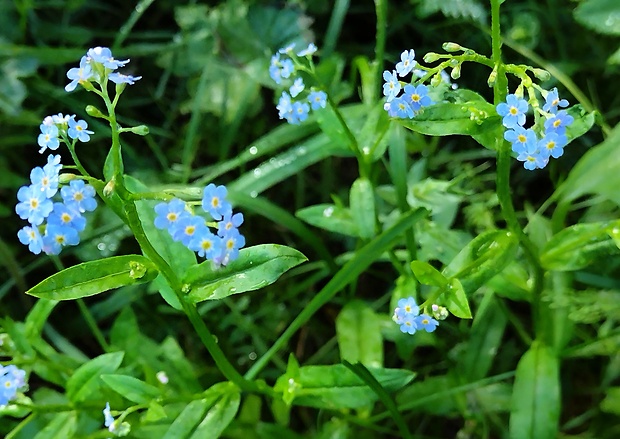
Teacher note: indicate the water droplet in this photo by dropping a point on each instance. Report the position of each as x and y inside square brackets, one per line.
[252, 356]
[253, 194]
[328, 212]
[101, 246]
[366, 150]
[253, 150]
[301, 150]
[257, 172]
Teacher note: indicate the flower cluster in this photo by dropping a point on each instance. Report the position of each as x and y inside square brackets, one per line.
[294, 105]
[117, 427]
[408, 316]
[53, 225]
[59, 127]
[11, 381]
[533, 151]
[194, 232]
[413, 99]
[98, 65]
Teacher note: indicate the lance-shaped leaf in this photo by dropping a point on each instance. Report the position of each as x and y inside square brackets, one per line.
[95, 277]
[255, 268]
[131, 388]
[85, 381]
[362, 199]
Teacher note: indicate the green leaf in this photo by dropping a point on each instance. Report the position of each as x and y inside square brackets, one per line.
[330, 217]
[484, 257]
[611, 403]
[456, 300]
[580, 245]
[94, 277]
[37, 317]
[467, 118]
[176, 254]
[362, 199]
[536, 401]
[602, 16]
[372, 139]
[191, 415]
[131, 388]
[582, 123]
[595, 173]
[336, 387]
[84, 382]
[358, 331]
[219, 416]
[62, 426]
[426, 274]
[255, 268]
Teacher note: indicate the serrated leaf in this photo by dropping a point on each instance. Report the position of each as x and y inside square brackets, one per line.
[85, 380]
[131, 388]
[94, 277]
[256, 267]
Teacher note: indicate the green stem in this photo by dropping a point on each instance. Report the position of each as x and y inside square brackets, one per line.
[381, 12]
[504, 159]
[92, 324]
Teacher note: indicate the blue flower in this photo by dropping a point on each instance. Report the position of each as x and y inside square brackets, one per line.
[513, 111]
[79, 196]
[119, 78]
[300, 112]
[53, 164]
[169, 214]
[206, 244]
[57, 236]
[64, 215]
[408, 324]
[232, 242]
[77, 130]
[287, 49]
[409, 306]
[559, 122]
[521, 139]
[229, 222]
[214, 201]
[285, 106]
[103, 55]
[287, 69]
[317, 99]
[391, 88]
[48, 138]
[417, 97]
[553, 101]
[34, 206]
[79, 75]
[400, 108]
[31, 237]
[46, 179]
[188, 227]
[552, 145]
[407, 63]
[426, 322]
[11, 380]
[297, 87]
[533, 159]
[308, 51]
[274, 68]
[108, 419]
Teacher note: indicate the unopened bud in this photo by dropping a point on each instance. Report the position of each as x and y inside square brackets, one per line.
[66, 178]
[108, 190]
[492, 77]
[93, 111]
[541, 74]
[140, 130]
[452, 47]
[456, 72]
[431, 57]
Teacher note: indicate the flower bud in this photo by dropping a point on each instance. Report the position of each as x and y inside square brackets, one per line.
[66, 178]
[542, 74]
[140, 130]
[452, 47]
[93, 111]
[109, 188]
[492, 77]
[431, 57]
[456, 72]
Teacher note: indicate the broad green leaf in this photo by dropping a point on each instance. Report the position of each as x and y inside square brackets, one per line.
[358, 331]
[219, 416]
[85, 382]
[131, 388]
[336, 387]
[443, 119]
[63, 425]
[330, 217]
[602, 16]
[255, 268]
[611, 403]
[426, 274]
[484, 257]
[580, 245]
[362, 199]
[485, 339]
[456, 301]
[536, 401]
[176, 254]
[94, 277]
[155, 412]
[595, 173]
[191, 415]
